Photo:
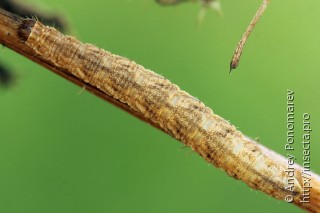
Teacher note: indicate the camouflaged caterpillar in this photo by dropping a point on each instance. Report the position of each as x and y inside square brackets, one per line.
[156, 98]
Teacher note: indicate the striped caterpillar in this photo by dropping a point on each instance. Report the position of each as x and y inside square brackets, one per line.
[156, 98]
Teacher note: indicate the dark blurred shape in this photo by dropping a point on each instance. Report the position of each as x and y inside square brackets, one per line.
[206, 4]
[24, 10]
[171, 2]
[6, 77]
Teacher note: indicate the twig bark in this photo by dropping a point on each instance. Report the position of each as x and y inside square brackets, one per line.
[160, 103]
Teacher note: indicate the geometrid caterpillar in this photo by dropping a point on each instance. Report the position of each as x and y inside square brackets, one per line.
[173, 110]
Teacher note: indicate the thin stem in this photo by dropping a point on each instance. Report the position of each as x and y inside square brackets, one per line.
[157, 101]
[238, 51]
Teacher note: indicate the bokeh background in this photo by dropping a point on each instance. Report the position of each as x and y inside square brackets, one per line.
[63, 150]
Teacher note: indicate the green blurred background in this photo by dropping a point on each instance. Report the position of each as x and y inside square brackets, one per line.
[61, 151]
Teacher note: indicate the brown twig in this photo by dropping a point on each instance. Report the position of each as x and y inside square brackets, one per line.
[238, 51]
[157, 101]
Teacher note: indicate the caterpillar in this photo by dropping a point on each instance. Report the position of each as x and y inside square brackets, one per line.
[175, 111]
